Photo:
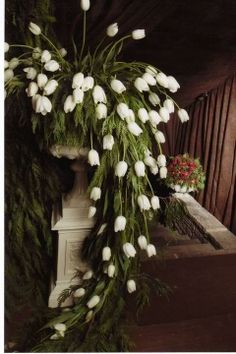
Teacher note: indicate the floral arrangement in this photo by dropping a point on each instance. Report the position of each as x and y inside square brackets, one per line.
[115, 110]
[185, 174]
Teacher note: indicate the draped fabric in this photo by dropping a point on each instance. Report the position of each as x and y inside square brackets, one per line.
[210, 135]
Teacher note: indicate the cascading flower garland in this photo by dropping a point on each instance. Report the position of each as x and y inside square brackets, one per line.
[114, 109]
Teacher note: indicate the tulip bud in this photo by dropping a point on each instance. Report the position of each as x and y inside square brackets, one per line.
[151, 250]
[89, 316]
[151, 70]
[155, 202]
[45, 56]
[43, 105]
[79, 292]
[138, 34]
[134, 128]
[183, 115]
[142, 241]
[41, 80]
[131, 117]
[36, 53]
[108, 142]
[112, 30]
[120, 223]
[164, 114]
[173, 84]
[63, 52]
[85, 5]
[78, 95]
[35, 29]
[169, 104]
[13, 63]
[154, 98]
[102, 228]
[30, 73]
[163, 172]
[111, 270]
[131, 286]
[129, 250]
[50, 87]
[143, 115]
[143, 202]
[160, 137]
[121, 169]
[91, 212]
[93, 158]
[55, 336]
[139, 168]
[123, 110]
[117, 86]
[69, 104]
[162, 79]
[106, 254]
[150, 80]
[154, 118]
[88, 83]
[6, 64]
[177, 188]
[77, 80]
[32, 89]
[6, 47]
[95, 193]
[61, 327]
[88, 275]
[52, 66]
[150, 161]
[154, 170]
[141, 85]
[93, 301]
[8, 75]
[161, 160]
[101, 111]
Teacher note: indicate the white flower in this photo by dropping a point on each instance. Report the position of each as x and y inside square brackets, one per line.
[150, 161]
[101, 111]
[88, 83]
[13, 63]
[151, 70]
[111, 270]
[155, 202]
[45, 56]
[150, 80]
[123, 110]
[77, 80]
[50, 87]
[154, 170]
[142, 241]
[112, 30]
[143, 115]
[154, 98]
[177, 188]
[55, 336]
[88, 275]
[78, 95]
[121, 169]
[99, 95]
[93, 158]
[6, 47]
[143, 202]
[95, 193]
[129, 250]
[161, 160]
[91, 212]
[41, 80]
[43, 105]
[30, 73]
[162, 79]
[154, 118]
[63, 52]
[117, 86]
[60, 327]
[102, 228]
[106, 254]
[108, 142]
[120, 223]
[89, 316]
[35, 29]
[164, 113]
[183, 115]
[134, 128]
[131, 117]
[6, 64]
[93, 301]
[52, 66]
[36, 53]
[32, 89]
[131, 286]
[173, 84]
[151, 250]
[85, 5]
[8, 75]
[160, 137]
[163, 172]
[69, 104]
[139, 168]
[138, 34]
[141, 85]
[79, 292]
[169, 104]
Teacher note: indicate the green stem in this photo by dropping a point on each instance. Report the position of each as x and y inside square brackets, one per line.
[114, 45]
[21, 46]
[84, 38]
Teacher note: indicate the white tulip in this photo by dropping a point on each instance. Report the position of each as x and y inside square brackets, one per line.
[77, 80]
[134, 128]
[85, 5]
[143, 202]
[121, 169]
[93, 158]
[141, 85]
[131, 117]
[142, 241]
[78, 95]
[102, 228]
[139, 168]
[129, 250]
[101, 111]
[43, 105]
[131, 286]
[120, 223]
[155, 202]
[112, 30]
[60, 327]
[79, 292]
[99, 95]
[88, 275]
[173, 84]
[91, 212]
[150, 80]
[164, 114]
[154, 98]
[143, 115]
[163, 172]
[36, 53]
[41, 80]
[96, 193]
[32, 89]
[35, 29]
[89, 316]
[52, 66]
[183, 115]
[117, 86]
[154, 170]
[106, 254]
[88, 83]
[55, 336]
[8, 75]
[177, 188]
[30, 73]
[108, 142]
[151, 250]
[93, 301]
[150, 161]
[169, 104]
[50, 87]
[6, 64]
[162, 79]
[69, 104]
[154, 118]
[45, 56]
[63, 52]
[151, 70]
[138, 34]
[161, 160]
[13, 63]
[6, 47]
[123, 110]
[160, 137]
[111, 270]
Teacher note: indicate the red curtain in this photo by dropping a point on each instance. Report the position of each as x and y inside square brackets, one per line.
[210, 135]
